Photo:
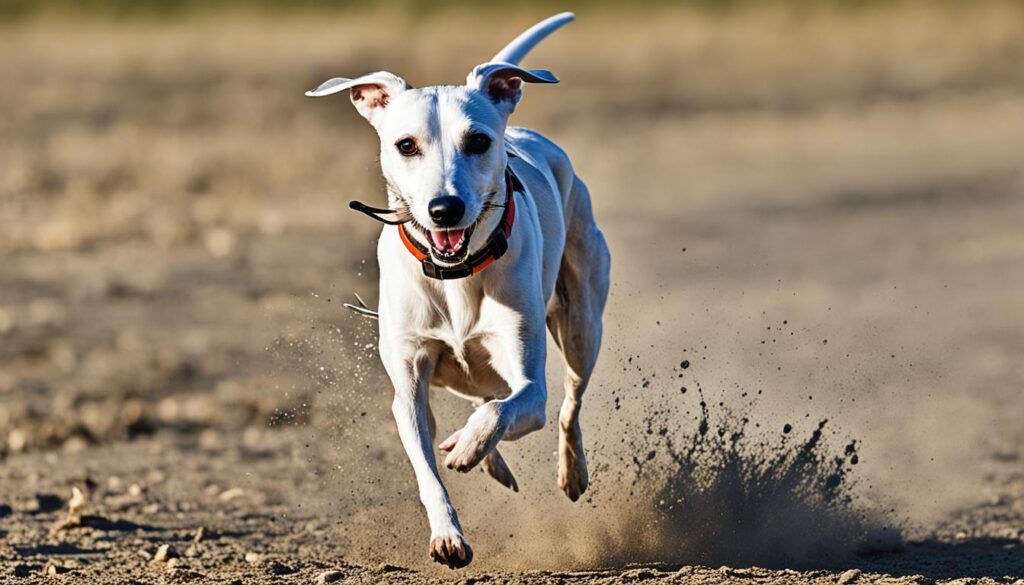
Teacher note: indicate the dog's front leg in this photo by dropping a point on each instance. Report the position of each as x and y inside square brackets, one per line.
[517, 346]
[410, 368]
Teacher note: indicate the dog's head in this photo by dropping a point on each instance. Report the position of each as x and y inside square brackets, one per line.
[442, 148]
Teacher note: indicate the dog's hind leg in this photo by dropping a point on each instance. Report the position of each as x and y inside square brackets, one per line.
[574, 319]
[494, 464]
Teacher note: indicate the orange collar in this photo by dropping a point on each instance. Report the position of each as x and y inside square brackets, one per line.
[496, 246]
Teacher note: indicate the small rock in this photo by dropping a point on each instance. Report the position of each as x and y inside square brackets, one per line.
[219, 242]
[172, 563]
[17, 440]
[165, 553]
[77, 501]
[329, 577]
[75, 444]
[849, 577]
[199, 535]
[135, 490]
[252, 557]
[145, 554]
[5, 510]
[228, 495]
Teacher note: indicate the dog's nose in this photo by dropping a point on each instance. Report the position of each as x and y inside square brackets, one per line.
[447, 210]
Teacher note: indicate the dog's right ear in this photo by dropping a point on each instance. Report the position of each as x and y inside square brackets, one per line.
[370, 93]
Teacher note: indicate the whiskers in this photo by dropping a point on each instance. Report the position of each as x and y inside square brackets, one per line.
[402, 214]
[400, 211]
[490, 204]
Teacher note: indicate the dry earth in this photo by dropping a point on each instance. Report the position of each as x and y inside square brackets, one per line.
[821, 215]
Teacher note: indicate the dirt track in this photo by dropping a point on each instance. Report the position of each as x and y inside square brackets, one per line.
[821, 217]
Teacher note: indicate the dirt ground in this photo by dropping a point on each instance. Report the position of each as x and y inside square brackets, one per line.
[812, 218]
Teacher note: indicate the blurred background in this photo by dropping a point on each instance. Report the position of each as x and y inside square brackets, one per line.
[822, 200]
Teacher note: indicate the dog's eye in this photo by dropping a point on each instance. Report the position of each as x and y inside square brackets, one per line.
[407, 147]
[477, 143]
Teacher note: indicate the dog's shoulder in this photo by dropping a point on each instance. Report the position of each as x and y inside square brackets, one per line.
[536, 145]
[542, 153]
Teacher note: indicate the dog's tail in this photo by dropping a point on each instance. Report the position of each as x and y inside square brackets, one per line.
[515, 51]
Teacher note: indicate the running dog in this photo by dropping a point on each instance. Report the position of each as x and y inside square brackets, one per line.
[490, 240]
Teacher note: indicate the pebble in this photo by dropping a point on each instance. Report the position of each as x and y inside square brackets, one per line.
[52, 570]
[199, 535]
[252, 557]
[849, 577]
[329, 577]
[228, 495]
[165, 553]
[77, 501]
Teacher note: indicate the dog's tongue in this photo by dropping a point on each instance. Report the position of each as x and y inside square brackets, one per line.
[445, 240]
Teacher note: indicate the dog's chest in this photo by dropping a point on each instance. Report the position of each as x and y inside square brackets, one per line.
[465, 369]
[461, 333]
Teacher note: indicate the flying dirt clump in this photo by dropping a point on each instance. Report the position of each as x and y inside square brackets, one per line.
[731, 494]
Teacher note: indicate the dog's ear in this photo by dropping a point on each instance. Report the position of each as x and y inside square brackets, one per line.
[503, 82]
[370, 93]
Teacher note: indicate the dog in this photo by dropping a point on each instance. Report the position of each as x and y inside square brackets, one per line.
[490, 242]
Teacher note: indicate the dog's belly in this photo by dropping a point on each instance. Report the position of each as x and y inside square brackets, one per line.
[468, 373]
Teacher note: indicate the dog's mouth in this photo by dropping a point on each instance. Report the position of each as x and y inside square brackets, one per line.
[450, 245]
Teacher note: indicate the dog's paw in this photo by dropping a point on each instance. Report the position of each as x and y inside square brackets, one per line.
[451, 550]
[495, 466]
[469, 445]
[572, 471]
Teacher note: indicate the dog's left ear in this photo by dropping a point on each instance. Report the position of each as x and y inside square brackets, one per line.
[503, 82]
[370, 93]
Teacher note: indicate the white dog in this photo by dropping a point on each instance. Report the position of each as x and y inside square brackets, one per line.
[491, 238]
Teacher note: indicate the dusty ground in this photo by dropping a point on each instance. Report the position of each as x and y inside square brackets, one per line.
[823, 217]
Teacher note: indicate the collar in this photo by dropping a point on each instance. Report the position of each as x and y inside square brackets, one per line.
[496, 246]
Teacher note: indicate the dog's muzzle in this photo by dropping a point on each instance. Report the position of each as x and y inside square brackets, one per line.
[450, 246]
